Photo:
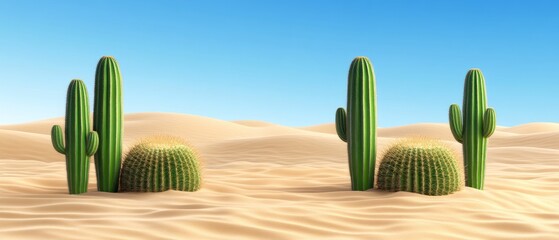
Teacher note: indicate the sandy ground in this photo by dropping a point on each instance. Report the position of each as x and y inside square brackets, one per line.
[264, 181]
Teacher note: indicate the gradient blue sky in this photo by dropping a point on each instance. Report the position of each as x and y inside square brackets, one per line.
[284, 62]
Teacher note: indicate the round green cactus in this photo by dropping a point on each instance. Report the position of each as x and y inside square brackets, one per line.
[421, 166]
[158, 164]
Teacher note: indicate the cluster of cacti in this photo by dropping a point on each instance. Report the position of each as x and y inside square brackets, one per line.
[158, 164]
[107, 122]
[420, 166]
[81, 142]
[106, 139]
[161, 164]
[357, 127]
[477, 125]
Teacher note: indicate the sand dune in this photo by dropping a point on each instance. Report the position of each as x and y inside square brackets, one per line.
[533, 128]
[265, 181]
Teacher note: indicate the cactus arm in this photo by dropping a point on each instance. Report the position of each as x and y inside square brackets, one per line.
[92, 143]
[57, 139]
[455, 119]
[341, 126]
[489, 122]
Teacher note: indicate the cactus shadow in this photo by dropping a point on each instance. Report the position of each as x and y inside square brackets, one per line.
[319, 189]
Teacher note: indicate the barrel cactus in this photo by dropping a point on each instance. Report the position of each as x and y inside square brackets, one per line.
[357, 127]
[473, 127]
[420, 166]
[81, 142]
[107, 122]
[159, 164]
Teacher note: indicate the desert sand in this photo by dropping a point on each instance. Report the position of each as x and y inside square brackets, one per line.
[265, 181]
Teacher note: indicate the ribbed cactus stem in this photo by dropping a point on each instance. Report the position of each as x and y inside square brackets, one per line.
[108, 122]
[81, 142]
[358, 126]
[473, 127]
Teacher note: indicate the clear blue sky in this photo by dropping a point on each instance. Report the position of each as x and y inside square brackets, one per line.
[284, 62]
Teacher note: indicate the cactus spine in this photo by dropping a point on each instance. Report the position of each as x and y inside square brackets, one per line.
[473, 128]
[107, 121]
[81, 143]
[357, 127]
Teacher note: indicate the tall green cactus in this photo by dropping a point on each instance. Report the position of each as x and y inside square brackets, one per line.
[107, 121]
[478, 125]
[81, 143]
[358, 126]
